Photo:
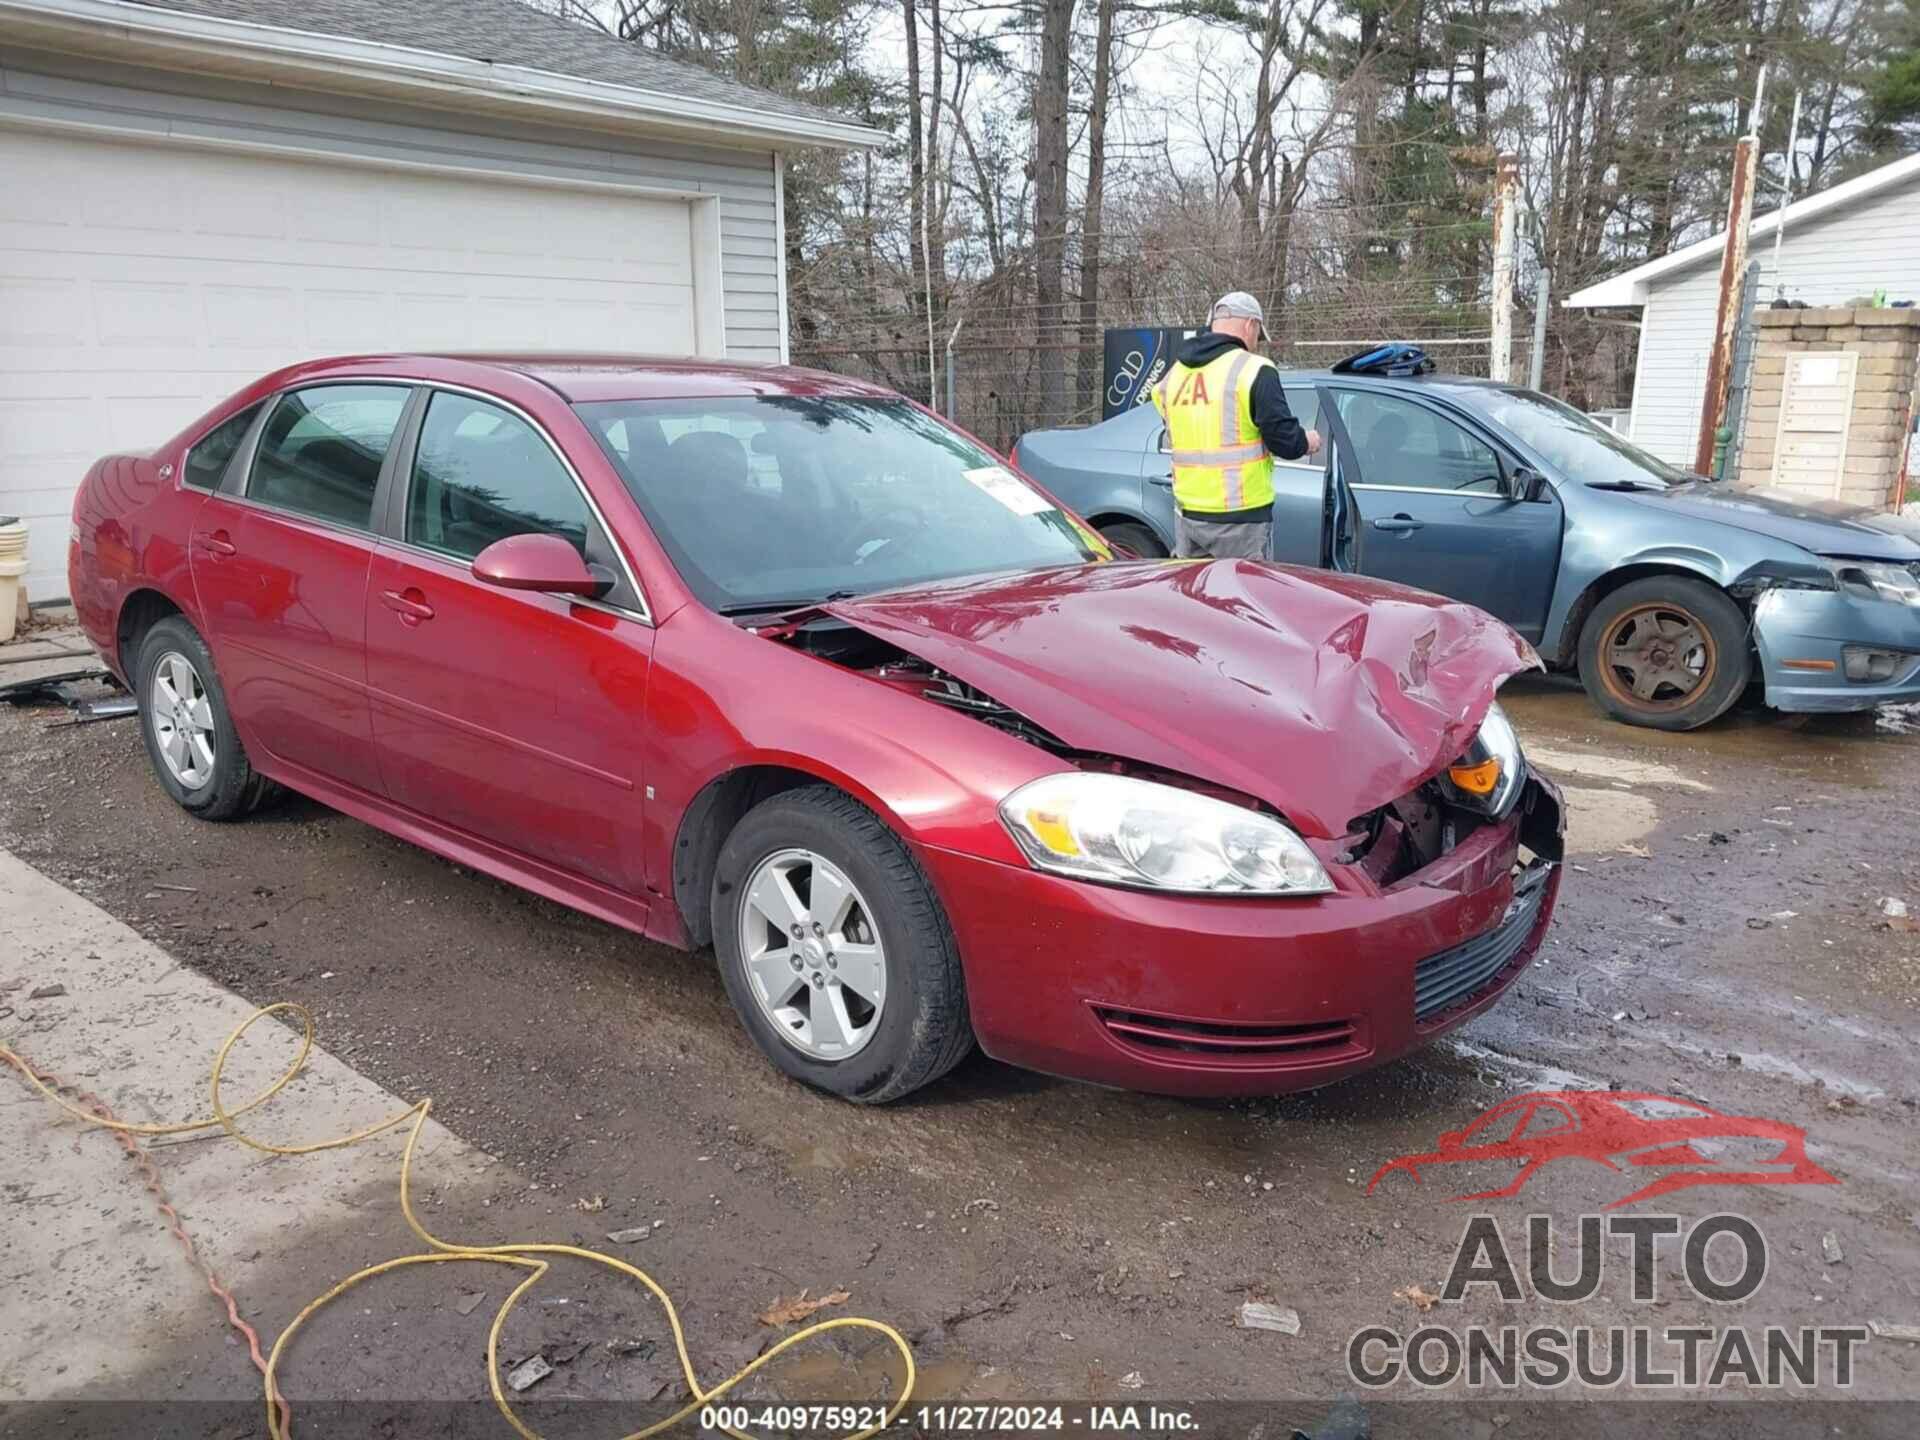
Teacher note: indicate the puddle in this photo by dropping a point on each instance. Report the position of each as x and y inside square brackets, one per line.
[825, 1374]
[828, 1155]
[1600, 765]
[1601, 821]
[1527, 1074]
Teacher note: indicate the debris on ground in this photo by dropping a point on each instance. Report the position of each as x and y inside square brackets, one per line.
[591, 1204]
[111, 707]
[51, 689]
[47, 992]
[469, 1301]
[1639, 852]
[631, 1236]
[1893, 908]
[643, 1348]
[786, 1312]
[530, 1371]
[1421, 1299]
[567, 1354]
[1889, 1330]
[1830, 1247]
[1133, 1380]
[1347, 1420]
[1257, 1315]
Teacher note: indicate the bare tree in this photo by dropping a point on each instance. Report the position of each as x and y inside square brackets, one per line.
[1052, 83]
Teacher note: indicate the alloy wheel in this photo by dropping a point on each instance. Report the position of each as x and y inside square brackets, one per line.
[1657, 657]
[182, 718]
[812, 954]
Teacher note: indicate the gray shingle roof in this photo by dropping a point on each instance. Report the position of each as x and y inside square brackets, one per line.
[503, 32]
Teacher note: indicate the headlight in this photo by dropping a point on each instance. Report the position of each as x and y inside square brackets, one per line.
[1488, 776]
[1135, 832]
[1869, 580]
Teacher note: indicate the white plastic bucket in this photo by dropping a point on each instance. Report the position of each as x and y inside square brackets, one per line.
[13, 566]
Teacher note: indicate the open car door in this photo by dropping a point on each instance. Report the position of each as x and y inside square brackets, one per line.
[1339, 516]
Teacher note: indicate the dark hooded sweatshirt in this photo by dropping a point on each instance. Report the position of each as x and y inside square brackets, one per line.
[1279, 431]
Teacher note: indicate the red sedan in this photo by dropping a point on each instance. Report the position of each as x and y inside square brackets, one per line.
[781, 663]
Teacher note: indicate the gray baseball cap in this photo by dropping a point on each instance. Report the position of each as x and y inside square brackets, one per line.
[1241, 306]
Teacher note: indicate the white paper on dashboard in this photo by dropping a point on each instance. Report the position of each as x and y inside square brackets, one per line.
[1006, 487]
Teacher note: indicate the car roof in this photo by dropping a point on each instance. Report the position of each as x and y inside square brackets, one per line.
[589, 376]
[1434, 380]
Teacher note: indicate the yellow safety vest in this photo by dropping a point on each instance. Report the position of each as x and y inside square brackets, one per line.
[1220, 464]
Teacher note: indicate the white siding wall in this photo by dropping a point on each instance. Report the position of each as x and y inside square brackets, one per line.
[1826, 261]
[47, 87]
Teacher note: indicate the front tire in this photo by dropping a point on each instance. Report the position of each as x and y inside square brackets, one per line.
[1137, 538]
[835, 951]
[195, 752]
[1665, 652]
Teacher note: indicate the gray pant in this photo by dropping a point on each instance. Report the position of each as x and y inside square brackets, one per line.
[1194, 538]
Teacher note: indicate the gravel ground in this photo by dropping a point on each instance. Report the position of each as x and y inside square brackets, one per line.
[1720, 937]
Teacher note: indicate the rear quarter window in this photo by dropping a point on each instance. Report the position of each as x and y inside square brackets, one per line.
[207, 461]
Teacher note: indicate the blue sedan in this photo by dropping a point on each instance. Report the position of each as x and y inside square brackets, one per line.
[1669, 594]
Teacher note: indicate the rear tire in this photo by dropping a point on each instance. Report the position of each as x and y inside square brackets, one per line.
[873, 1040]
[1137, 538]
[196, 753]
[1666, 652]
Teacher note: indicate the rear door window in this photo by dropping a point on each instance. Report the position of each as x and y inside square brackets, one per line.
[322, 450]
[207, 462]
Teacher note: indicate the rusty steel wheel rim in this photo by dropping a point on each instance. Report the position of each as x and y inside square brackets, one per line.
[1659, 656]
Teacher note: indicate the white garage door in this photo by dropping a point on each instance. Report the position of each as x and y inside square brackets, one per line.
[139, 283]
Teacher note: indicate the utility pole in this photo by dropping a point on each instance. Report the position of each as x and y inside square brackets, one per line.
[1786, 197]
[1537, 361]
[1733, 265]
[1506, 214]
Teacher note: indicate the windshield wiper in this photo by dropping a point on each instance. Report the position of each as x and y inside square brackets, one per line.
[780, 607]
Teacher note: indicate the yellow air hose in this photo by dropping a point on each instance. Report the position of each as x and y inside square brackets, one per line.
[523, 1256]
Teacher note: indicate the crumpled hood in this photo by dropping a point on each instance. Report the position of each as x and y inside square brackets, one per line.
[1826, 527]
[1324, 695]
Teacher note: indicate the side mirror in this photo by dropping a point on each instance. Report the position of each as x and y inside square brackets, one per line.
[1524, 484]
[538, 562]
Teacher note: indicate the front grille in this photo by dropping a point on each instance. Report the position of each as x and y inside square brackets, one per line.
[1457, 976]
[1242, 1044]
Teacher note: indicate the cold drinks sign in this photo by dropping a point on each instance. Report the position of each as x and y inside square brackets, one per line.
[1135, 361]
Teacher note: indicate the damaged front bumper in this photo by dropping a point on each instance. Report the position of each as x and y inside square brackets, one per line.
[1803, 637]
[1205, 995]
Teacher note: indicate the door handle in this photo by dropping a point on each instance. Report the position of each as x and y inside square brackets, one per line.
[1398, 524]
[1165, 481]
[216, 545]
[409, 604]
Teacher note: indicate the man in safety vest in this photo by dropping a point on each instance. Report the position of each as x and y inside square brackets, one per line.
[1227, 421]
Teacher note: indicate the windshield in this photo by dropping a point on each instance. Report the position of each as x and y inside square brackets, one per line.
[770, 501]
[1581, 449]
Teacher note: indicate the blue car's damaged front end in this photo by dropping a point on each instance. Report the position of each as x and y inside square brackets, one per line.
[1848, 640]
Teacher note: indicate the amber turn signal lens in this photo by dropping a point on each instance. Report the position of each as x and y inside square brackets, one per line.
[1476, 779]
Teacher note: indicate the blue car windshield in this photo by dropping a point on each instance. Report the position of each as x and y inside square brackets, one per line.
[1581, 449]
[770, 502]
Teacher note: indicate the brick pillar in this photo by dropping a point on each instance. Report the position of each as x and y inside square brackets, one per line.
[1884, 394]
